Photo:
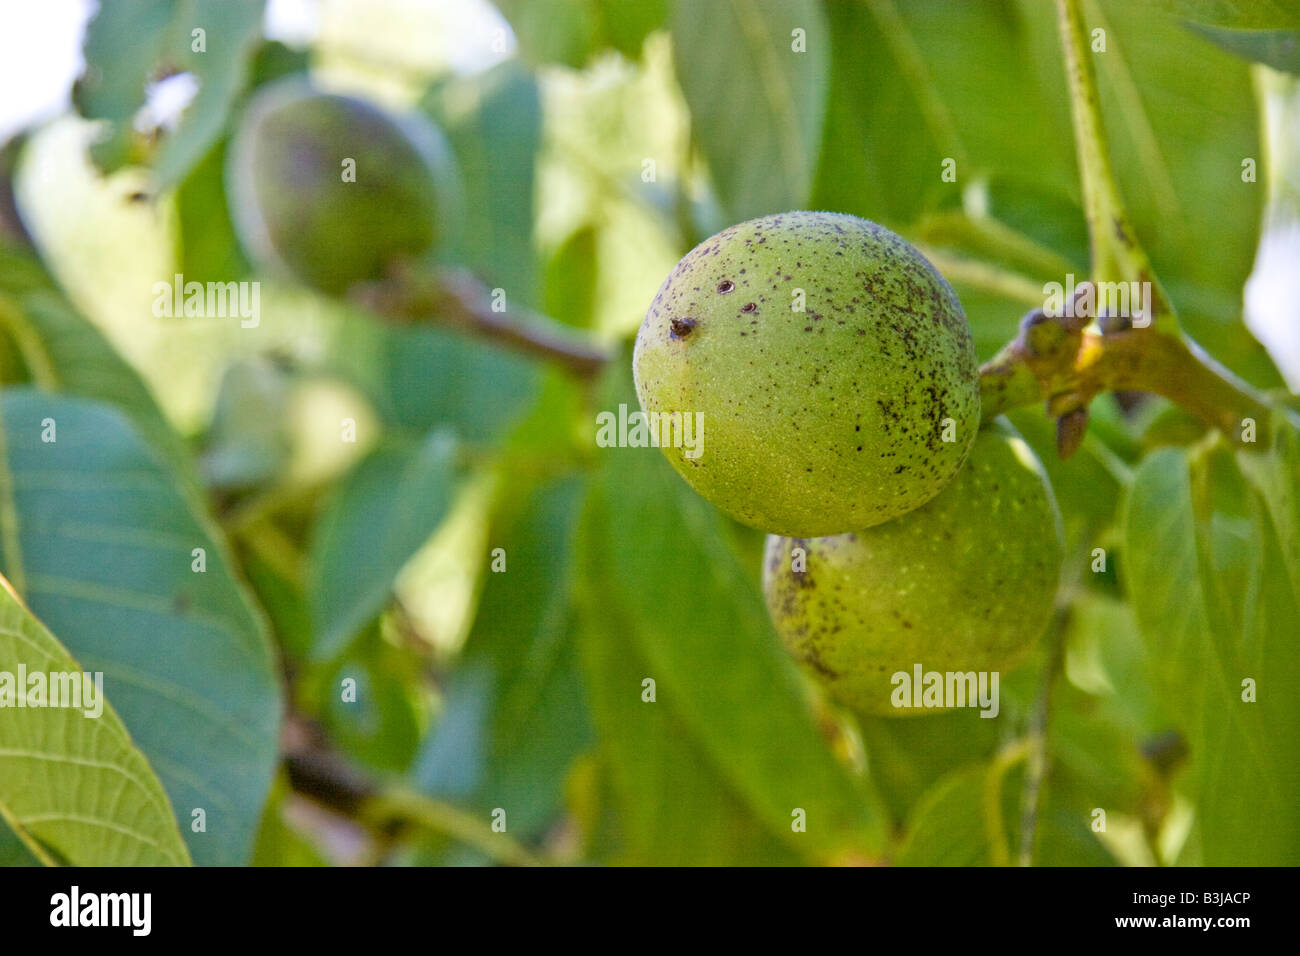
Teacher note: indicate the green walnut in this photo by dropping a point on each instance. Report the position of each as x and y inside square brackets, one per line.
[827, 364]
[963, 584]
[332, 190]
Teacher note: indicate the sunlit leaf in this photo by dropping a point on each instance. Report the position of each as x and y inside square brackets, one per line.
[72, 784]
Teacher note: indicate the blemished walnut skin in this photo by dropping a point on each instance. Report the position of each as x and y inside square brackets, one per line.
[853, 411]
[965, 583]
[297, 214]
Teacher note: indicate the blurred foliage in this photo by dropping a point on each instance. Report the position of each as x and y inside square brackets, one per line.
[419, 572]
[136, 43]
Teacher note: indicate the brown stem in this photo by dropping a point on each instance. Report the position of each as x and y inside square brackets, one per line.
[456, 298]
[321, 774]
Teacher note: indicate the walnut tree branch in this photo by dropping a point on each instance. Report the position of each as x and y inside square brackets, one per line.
[1067, 360]
[1053, 360]
[324, 776]
[456, 298]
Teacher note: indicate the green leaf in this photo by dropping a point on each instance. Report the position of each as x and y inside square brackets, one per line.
[379, 727]
[101, 543]
[1276, 475]
[13, 852]
[553, 31]
[1279, 49]
[513, 719]
[905, 97]
[277, 588]
[274, 59]
[903, 100]
[1063, 836]
[1211, 574]
[423, 378]
[697, 618]
[131, 43]
[386, 508]
[1048, 217]
[493, 122]
[756, 104]
[571, 32]
[21, 272]
[569, 292]
[72, 784]
[1181, 116]
[1266, 31]
[675, 805]
[948, 827]
[626, 23]
[65, 352]
[1238, 14]
[952, 824]
[1108, 741]
[209, 249]
[248, 443]
[908, 757]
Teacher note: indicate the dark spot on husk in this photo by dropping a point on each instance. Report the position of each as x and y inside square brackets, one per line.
[681, 328]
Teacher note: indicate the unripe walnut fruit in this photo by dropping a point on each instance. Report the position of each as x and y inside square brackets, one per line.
[964, 583]
[332, 190]
[831, 365]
